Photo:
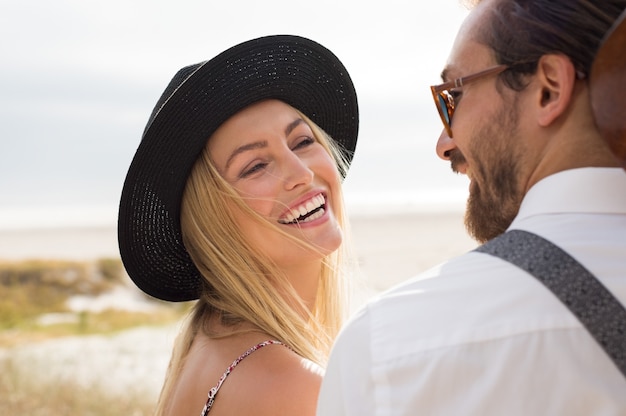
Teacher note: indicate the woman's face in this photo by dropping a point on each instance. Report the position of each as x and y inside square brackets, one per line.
[269, 155]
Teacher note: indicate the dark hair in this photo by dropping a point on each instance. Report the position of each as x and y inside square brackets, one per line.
[521, 31]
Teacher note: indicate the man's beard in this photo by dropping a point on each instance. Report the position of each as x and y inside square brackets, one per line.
[495, 194]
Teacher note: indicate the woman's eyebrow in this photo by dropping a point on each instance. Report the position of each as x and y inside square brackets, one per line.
[246, 147]
[291, 126]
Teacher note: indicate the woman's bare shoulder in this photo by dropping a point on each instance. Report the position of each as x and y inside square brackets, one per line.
[274, 380]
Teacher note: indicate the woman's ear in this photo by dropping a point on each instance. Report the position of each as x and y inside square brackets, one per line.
[556, 76]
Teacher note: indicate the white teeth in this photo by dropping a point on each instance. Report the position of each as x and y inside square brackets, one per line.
[315, 216]
[311, 205]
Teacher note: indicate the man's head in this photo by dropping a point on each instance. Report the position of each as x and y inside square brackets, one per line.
[519, 32]
[516, 100]
[607, 84]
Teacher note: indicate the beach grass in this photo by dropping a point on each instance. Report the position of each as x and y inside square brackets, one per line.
[34, 298]
[23, 394]
[29, 288]
[85, 323]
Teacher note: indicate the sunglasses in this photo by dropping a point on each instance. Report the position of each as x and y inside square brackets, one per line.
[444, 96]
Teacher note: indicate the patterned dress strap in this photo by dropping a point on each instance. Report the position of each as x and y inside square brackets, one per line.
[214, 390]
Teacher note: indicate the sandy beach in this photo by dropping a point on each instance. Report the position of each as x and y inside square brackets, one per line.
[390, 249]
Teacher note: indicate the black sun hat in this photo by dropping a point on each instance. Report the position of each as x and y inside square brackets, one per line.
[199, 98]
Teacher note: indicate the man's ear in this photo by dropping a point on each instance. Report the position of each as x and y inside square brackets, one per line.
[556, 76]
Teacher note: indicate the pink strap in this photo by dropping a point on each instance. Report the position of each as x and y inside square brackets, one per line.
[214, 390]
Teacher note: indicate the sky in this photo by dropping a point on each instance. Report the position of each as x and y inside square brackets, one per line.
[79, 79]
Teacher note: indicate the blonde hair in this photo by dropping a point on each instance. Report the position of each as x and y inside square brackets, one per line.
[241, 284]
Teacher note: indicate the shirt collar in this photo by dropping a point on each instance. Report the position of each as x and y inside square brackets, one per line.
[584, 190]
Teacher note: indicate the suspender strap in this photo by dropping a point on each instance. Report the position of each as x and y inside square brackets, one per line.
[585, 296]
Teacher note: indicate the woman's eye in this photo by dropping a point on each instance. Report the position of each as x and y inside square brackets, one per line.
[304, 142]
[251, 170]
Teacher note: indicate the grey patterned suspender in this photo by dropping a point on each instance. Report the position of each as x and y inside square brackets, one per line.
[585, 296]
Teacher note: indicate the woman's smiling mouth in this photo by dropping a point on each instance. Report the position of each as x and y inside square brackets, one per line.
[311, 210]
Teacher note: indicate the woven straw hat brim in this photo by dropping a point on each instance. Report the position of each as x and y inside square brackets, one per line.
[197, 101]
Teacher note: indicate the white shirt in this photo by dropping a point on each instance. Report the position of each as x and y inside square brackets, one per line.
[478, 336]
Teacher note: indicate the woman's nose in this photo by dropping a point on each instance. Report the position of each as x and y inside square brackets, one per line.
[297, 172]
[444, 145]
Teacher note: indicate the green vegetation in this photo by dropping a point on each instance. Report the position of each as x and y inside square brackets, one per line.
[30, 290]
